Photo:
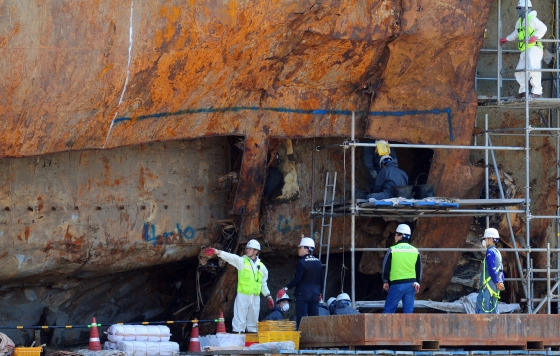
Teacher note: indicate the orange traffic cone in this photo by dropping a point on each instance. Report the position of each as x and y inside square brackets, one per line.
[194, 343]
[94, 343]
[221, 325]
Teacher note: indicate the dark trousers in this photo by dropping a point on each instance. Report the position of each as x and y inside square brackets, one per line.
[307, 304]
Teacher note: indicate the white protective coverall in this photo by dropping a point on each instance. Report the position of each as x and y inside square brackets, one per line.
[246, 307]
[534, 55]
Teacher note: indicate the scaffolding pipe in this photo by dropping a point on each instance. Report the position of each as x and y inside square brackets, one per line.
[510, 228]
[412, 145]
[557, 225]
[464, 249]
[311, 227]
[352, 207]
[556, 90]
[486, 175]
[549, 294]
[527, 185]
[549, 129]
[499, 84]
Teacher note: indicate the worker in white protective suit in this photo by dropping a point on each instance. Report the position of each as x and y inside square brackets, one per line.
[252, 279]
[534, 51]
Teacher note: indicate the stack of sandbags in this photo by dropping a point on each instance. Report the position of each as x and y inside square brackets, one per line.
[141, 340]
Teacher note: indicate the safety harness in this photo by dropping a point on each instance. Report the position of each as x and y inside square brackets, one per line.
[486, 284]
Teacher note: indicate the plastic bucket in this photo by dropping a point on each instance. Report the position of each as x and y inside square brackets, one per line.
[403, 191]
[422, 191]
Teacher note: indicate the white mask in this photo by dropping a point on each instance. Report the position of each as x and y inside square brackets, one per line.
[286, 307]
[484, 243]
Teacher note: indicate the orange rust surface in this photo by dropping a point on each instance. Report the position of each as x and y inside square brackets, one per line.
[106, 74]
[444, 330]
[68, 74]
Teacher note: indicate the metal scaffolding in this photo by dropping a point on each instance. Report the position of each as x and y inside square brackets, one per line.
[487, 207]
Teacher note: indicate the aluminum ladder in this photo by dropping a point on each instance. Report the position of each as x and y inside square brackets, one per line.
[325, 239]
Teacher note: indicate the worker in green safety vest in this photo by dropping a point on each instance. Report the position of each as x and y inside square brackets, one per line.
[528, 28]
[402, 272]
[252, 276]
[492, 275]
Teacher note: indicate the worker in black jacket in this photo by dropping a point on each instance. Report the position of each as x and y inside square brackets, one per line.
[307, 281]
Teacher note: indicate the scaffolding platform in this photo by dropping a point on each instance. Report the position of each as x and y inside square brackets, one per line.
[512, 103]
[426, 207]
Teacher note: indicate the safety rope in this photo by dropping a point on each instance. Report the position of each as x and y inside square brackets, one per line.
[199, 300]
[84, 326]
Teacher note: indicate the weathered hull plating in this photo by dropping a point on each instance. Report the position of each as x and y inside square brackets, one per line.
[432, 331]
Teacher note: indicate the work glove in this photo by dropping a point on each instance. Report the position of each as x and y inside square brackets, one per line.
[373, 174]
[270, 302]
[533, 39]
[209, 251]
[503, 40]
[500, 286]
[416, 286]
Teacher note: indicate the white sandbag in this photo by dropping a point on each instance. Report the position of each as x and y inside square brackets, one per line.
[6, 345]
[153, 333]
[108, 345]
[158, 333]
[222, 340]
[147, 348]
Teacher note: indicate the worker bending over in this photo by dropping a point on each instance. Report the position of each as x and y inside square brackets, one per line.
[342, 305]
[389, 177]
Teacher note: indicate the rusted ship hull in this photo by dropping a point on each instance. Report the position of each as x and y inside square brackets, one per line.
[121, 120]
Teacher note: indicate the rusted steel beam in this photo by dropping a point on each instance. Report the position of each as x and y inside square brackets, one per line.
[431, 331]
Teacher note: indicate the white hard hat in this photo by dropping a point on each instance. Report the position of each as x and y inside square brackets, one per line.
[253, 244]
[491, 233]
[343, 296]
[284, 297]
[330, 301]
[403, 229]
[521, 3]
[307, 242]
[385, 159]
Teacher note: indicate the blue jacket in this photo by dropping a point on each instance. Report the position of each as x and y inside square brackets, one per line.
[388, 177]
[323, 310]
[344, 308]
[308, 276]
[275, 314]
[494, 266]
